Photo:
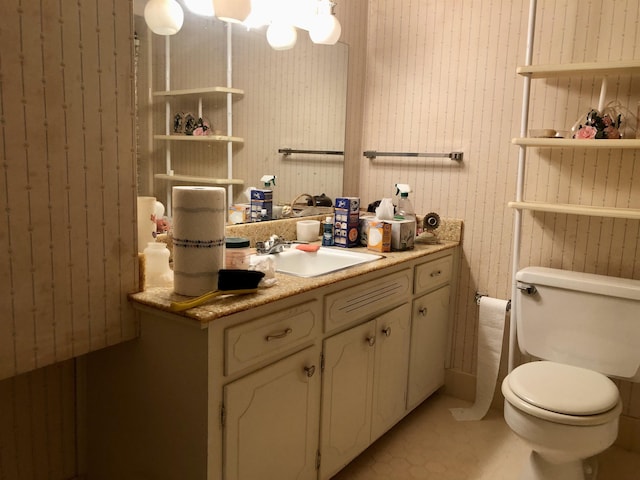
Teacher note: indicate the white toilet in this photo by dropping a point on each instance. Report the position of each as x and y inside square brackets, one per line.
[583, 327]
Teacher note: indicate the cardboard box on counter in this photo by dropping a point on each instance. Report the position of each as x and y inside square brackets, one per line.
[347, 221]
[378, 235]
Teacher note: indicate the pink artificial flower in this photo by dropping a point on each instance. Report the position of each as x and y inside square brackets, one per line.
[198, 132]
[586, 132]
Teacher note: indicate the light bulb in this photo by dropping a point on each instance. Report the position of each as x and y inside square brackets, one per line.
[164, 17]
[281, 36]
[232, 11]
[203, 8]
[325, 29]
[260, 14]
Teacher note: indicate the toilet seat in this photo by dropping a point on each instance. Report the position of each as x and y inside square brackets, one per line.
[562, 393]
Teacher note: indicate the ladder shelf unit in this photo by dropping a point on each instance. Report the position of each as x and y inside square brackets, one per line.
[198, 95]
[601, 70]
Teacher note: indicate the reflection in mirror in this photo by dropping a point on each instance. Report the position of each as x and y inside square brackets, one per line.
[288, 99]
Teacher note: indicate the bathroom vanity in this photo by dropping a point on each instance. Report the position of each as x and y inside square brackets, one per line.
[292, 382]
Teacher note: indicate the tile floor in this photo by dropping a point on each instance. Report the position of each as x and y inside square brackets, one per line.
[429, 444]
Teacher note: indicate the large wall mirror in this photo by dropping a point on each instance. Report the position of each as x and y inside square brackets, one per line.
[292, 99]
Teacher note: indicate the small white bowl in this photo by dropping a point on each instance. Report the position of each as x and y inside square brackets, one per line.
[542, 133]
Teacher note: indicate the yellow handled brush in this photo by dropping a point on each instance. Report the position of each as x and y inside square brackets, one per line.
[230, 282]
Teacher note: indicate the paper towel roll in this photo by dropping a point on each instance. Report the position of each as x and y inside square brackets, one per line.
[198, 238]
[146, 221]
[490, 332]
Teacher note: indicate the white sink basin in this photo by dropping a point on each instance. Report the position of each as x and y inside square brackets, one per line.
[325, 260]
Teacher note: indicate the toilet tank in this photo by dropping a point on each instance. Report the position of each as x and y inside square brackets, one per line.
[582, 319]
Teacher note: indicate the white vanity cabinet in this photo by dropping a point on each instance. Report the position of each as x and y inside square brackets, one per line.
[429, 327]
[363, 386]
[271, 420]
[292, 389]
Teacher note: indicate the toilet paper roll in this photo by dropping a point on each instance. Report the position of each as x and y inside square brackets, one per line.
[198, 238]
[146, 221]
[490, 333]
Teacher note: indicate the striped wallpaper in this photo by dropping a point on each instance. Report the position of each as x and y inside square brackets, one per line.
[440, 76]
[67, 209]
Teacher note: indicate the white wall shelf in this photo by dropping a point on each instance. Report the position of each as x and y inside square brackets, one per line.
[580, 69]
[198, 92]
[202, 138]
[593, 211]
[198, 180]
[575, 143]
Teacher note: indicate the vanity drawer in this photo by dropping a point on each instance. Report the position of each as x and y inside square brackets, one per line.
[432, 274]
[269, 335]
[369, 298]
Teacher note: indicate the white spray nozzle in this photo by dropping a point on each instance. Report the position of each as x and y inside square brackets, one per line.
[268, 180]
[403, 189]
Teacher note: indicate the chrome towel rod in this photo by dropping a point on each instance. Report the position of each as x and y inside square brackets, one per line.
[371, 154]
[289, 151]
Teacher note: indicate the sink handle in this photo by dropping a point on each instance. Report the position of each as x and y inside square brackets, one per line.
[276, 336]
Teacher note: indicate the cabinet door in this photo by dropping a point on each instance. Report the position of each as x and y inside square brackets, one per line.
[391, 369]
[272, 419]
[347, 389]
[428, 345]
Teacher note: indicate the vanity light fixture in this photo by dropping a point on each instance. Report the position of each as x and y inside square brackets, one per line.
[204, 8]
[281, 35]
[164, 17]
[325, 27]
[232, 11]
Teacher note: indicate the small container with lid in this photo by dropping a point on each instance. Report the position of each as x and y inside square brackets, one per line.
[237, 254]
[157, 273]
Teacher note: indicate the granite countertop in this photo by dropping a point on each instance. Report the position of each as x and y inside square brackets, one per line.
[288, 285]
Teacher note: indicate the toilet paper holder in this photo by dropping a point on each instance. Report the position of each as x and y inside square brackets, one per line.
[479, 295]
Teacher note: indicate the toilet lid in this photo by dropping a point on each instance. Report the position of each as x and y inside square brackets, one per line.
[563, 388]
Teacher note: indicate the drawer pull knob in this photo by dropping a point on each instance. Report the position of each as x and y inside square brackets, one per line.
[309, 371]
[277, 336]
[387, 331]
[437, 273]
[371, 341]
[423, 311]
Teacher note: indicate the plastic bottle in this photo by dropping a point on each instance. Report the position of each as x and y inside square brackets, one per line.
[327, 232]
[157, 272]
[405, 207]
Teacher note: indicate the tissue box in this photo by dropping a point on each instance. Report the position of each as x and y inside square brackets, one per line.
[379, 236]
[261, 199]
[403, 234]
[347, 221]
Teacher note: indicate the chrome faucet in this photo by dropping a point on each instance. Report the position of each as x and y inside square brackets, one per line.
[274, 244]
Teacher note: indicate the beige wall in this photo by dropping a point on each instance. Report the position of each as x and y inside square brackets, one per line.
[67, 209]
[440, 76]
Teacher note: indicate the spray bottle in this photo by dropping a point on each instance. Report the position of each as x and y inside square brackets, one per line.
[405, 208]
[403, 229]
